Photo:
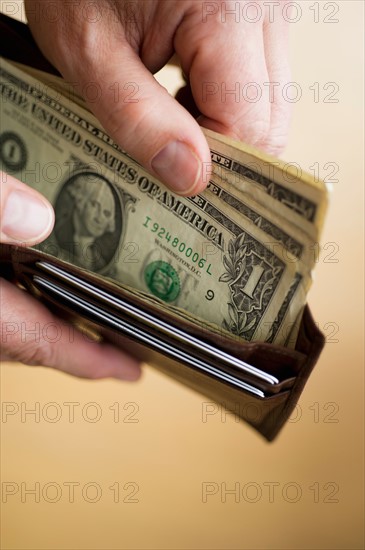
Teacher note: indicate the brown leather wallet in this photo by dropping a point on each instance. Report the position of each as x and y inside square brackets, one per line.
[259, 382]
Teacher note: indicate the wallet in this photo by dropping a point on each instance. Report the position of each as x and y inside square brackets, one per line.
[256, 381]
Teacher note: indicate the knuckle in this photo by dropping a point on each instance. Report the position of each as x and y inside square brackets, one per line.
[132, 125]
[275, 142]
[33, 354]
[275, 148]
[256, 131]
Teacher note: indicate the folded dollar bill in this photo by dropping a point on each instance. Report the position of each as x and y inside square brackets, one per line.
[217, 282]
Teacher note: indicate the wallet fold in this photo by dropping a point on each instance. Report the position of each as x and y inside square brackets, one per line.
[267, 413]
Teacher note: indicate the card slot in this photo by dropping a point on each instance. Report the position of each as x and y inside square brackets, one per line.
[260, 412]
[250, 357]
[137, 333]
[20, 264]
[115, 303]
[237, 374]
[235, 367]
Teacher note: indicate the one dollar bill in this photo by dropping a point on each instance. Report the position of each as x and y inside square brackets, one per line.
[200, 254]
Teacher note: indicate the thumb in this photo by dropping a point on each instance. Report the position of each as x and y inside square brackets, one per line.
[26, 216]
[138, 113]
[141, 116]
[101, 59]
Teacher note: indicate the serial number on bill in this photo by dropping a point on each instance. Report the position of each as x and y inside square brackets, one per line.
[175, 242]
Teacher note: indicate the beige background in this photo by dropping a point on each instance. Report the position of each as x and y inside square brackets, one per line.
[169, 453]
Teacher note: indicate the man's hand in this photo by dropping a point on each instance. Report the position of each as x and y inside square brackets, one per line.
[233, 54]
[29, 332]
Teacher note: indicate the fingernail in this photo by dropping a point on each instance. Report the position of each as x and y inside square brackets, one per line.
[26, 218]
[178, 167]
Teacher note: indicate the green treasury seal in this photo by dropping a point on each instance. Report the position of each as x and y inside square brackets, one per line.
[162, 280]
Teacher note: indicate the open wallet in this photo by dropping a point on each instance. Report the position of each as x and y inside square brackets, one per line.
[258, 382]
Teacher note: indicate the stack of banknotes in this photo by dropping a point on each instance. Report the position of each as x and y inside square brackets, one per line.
[237, 257]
